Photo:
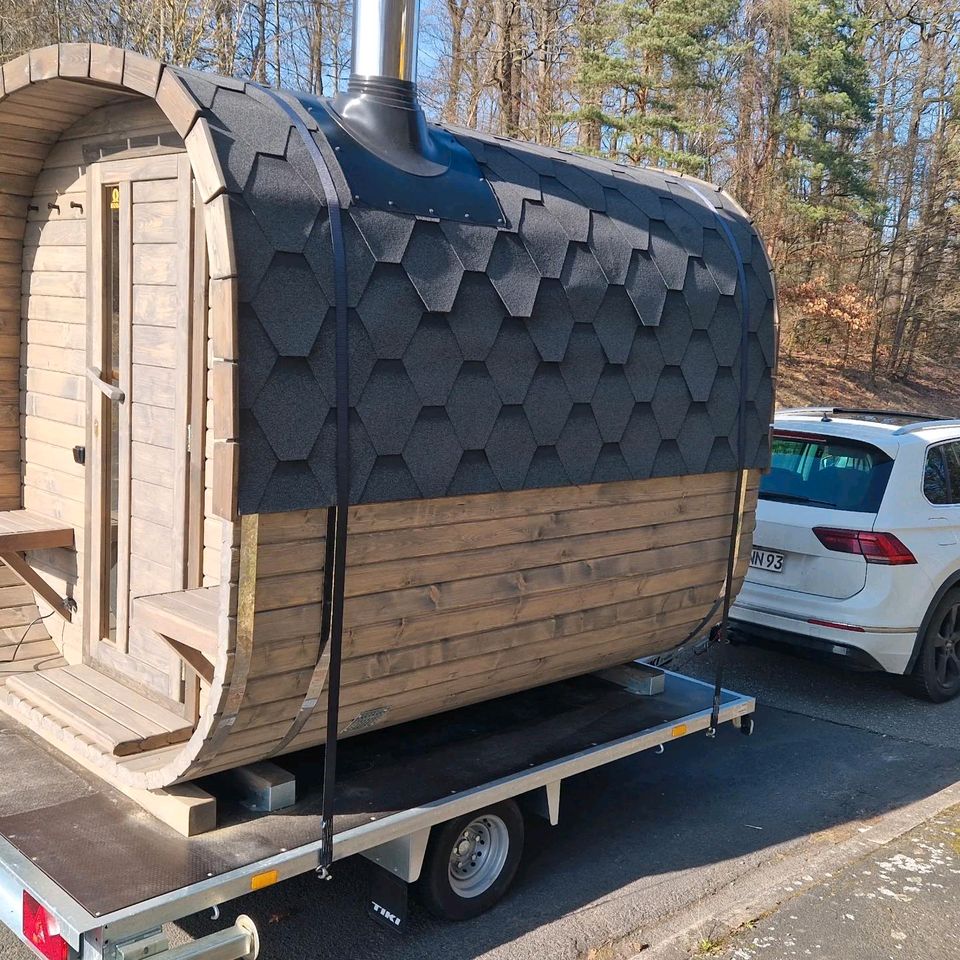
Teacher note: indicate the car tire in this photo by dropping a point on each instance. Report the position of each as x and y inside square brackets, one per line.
[461, 889]
[936, 676]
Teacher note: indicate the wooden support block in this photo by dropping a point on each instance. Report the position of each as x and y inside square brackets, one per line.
[223, 318]
[16, 74]
[45, 63]
[106, 64]
[74, 59]
[184, 807]
[218, 225]
[141, 73]
[203, 160]
[175, 101]
[224, 386]
[226, 470]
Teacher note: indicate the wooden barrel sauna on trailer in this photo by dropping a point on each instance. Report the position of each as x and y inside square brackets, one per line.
[553, 371]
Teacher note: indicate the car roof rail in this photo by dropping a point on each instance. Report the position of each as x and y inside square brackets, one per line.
[826, 412]
[926, 424]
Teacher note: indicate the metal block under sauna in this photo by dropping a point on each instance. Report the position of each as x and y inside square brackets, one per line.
[639, 678]
[264, 786]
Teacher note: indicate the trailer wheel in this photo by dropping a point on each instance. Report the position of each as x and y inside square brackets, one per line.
[471, 861]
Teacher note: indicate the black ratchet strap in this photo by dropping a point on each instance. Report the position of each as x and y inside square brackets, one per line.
[331, 624]
[740, 496]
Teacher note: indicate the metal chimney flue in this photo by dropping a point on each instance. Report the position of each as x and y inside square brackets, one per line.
[380, 107]
[391, 158]
[385, 39]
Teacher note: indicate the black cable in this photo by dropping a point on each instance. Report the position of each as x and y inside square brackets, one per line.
[30, 626]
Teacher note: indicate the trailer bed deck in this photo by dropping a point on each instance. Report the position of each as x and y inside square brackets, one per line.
[102, 854]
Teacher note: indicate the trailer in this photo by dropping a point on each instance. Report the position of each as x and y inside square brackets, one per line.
[83, 873]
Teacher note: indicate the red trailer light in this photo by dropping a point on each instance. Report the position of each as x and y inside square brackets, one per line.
[873, 547]
[42, 930]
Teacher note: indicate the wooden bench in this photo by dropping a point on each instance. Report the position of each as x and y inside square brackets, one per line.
[23, 530]
[188, 620]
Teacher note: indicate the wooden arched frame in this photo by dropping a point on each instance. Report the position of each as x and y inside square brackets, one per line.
[47, 90]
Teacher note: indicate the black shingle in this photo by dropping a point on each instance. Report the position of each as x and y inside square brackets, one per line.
[583, 281]
[433, 267]
[646, 288]
[579, 444]
[546, 469]
[510, 447]
[390, 309]
[640, 441]
[512, 361]
[629, 219]
[386, 234]
[700, 293]
[258, 352]
[611, 465]
[544, 238]
[675, 328]
[514, 274]
[699, 366]
[668, 254]
[551, 321]
[290, 289]
[432, 360]
[291, 409]
[477, 315]
[389, 407]
[473, 405]
[670, 403]
[609, 247]
[433, 452]
[322, 357]
[696, 438]
[613, 403]
[285, 207]
[572, 216]
[645, 364]
[547, 404]
[472, 242]
[583, 364]
[616, 324]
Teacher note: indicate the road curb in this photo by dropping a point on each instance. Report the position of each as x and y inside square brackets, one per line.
[715, 917]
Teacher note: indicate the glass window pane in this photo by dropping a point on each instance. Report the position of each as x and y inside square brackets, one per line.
[935, 477]
[951, 453]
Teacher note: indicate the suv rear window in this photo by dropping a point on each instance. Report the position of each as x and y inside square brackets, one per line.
[826, 472]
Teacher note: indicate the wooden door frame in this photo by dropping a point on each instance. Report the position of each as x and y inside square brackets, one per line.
[171, 165]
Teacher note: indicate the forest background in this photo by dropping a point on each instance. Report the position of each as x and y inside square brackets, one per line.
[835, 123]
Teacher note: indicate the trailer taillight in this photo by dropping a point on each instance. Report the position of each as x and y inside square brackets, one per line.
[42, 930]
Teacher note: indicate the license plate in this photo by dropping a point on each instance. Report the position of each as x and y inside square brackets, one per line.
[766, 560]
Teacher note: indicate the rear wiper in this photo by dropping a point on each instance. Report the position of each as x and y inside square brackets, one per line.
[792, 498]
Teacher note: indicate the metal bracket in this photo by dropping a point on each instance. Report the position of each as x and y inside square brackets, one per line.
[402, 857]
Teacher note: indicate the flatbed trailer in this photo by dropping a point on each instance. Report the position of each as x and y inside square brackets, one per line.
[85, 873]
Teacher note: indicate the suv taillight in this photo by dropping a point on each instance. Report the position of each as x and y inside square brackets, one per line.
[41, 930]
[873, 547]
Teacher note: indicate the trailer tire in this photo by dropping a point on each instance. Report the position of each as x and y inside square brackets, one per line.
[456, 882]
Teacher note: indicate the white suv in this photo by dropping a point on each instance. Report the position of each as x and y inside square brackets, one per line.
[856, 551]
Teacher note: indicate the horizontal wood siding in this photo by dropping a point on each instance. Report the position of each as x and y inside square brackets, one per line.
[454, 601]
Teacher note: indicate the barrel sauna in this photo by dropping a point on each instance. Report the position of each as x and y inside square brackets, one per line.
[547, 355]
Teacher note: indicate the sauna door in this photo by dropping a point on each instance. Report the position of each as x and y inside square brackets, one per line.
[137, 465]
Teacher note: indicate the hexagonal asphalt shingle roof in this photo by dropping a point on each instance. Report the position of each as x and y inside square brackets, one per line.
[595, 337]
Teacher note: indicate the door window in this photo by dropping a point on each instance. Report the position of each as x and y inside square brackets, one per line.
[941, 475]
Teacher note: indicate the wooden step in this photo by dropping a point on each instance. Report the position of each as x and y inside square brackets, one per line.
[118, 720]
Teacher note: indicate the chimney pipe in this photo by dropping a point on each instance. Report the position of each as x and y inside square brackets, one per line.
[385, 39]
[379, 107]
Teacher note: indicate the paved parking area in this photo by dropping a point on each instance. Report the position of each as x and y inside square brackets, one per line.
[655, 835]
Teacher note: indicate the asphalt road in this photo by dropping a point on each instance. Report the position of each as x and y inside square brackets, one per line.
[651, 835]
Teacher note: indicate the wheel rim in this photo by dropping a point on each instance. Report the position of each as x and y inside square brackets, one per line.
[478, 856]
[946, 649]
